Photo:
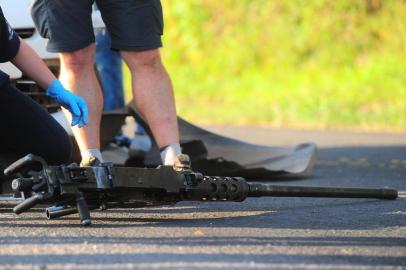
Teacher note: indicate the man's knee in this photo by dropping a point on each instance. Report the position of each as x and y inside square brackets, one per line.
[78, 61]
[150, 59]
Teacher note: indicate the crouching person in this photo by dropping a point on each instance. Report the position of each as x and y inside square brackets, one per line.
[25, 126]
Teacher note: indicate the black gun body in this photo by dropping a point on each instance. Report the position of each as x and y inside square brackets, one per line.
[71, 189]
[128, 187]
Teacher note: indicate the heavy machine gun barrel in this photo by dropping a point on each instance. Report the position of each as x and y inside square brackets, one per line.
[259, 190]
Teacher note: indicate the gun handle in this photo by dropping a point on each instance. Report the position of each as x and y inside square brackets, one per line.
[29, 203]
[16, 165]
[83, 209]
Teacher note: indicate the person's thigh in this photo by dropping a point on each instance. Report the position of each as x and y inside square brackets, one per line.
[28, 128]
[66, 23]
[134, 25]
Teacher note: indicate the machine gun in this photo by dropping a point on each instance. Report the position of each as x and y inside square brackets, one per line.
[72, 189]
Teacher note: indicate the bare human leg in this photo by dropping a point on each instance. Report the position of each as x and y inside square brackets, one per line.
[153, 94]
[77, 74]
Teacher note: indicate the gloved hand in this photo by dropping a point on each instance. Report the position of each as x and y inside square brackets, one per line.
[76, 105]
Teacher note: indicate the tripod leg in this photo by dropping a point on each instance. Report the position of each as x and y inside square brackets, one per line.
[83, 209]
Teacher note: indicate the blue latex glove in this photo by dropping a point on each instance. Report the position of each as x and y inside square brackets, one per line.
[73, 103]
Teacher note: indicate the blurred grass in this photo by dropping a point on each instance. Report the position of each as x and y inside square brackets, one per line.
[297, 63]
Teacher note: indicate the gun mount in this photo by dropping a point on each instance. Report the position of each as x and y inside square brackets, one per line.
[71, 189]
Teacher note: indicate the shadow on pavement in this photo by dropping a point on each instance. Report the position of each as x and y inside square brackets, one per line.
[284, 213]
[196, 258]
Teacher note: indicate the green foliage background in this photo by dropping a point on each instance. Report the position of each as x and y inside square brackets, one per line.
[292, 63]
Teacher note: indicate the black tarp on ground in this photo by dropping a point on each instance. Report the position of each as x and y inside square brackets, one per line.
[213, 154]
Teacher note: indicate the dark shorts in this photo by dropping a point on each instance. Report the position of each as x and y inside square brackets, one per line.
[134, 25]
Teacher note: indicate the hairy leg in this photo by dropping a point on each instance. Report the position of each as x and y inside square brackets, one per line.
[153, 94]
[78, 75]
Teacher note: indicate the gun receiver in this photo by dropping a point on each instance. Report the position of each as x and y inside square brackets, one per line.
[71, 189]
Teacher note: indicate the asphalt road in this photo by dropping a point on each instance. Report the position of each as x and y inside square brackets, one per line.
[264, 233]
